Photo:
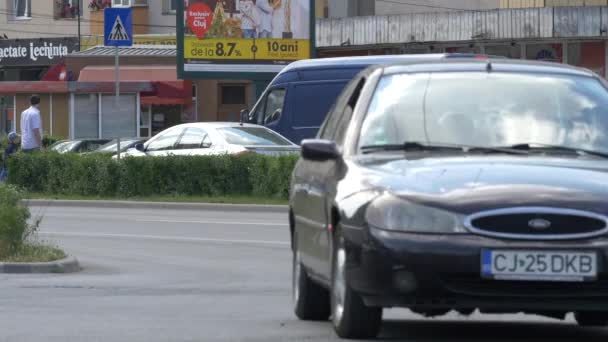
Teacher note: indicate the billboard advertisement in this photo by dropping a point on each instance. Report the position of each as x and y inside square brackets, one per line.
[244, 36]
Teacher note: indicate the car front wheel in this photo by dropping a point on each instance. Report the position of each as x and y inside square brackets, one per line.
[310, 300]
[351, 318]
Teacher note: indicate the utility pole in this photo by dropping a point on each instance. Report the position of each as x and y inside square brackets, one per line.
[79, 38]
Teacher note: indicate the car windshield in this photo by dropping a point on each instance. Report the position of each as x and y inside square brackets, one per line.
[111, 146]
[488, 110]
[252, 136]
[65, 146]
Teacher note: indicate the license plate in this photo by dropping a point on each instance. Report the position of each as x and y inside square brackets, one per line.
[538, 265]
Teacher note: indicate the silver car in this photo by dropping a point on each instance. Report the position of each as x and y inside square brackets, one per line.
[215, 138]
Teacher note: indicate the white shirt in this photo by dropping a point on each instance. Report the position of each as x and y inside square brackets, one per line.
[300, 20]
[249, 15]
[30, 120]
[278, 22]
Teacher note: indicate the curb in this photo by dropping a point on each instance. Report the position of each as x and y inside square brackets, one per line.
[67, 265]
[158, 205]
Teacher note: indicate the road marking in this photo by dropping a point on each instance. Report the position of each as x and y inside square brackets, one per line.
[215, 222]
[150, 220]
[166, 238]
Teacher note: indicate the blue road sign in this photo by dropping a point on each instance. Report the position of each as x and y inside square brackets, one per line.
[118, 27]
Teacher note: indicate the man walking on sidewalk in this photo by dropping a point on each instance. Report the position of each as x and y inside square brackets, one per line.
[31, 127]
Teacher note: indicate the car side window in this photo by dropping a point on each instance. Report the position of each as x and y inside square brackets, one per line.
[165, 141]
[193, 138]
[206, 141]
[257, 114]
[348, 113]
[328, 131]
[273, 106]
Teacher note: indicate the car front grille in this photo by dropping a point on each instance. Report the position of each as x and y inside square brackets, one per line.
[538, 223]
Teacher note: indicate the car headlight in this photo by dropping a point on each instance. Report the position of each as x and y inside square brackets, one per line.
[392, 213]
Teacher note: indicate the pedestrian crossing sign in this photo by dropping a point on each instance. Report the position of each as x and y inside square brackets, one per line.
[118, 27]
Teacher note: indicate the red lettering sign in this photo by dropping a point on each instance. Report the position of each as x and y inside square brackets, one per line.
[199, 17]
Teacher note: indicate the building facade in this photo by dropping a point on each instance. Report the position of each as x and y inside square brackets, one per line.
[355, 8]
[574, 35]
[35, 36]
[549, 30]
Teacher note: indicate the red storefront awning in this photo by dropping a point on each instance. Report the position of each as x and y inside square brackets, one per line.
[167, 89]
[33, 87]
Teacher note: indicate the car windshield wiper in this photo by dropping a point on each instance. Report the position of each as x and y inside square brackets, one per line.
[555, 148]
[417, 146]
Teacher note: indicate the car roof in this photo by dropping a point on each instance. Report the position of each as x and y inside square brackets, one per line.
[357, 61]
[344, 62]
[218, 124]
[499, 65]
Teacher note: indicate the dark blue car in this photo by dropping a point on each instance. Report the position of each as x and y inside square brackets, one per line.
[298, 99]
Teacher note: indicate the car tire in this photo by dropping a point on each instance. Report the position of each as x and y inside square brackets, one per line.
[351, 318]
[591, 319]
[310, 300]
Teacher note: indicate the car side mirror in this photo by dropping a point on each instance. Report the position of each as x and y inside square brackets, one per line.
[320, 150]
[140, 147]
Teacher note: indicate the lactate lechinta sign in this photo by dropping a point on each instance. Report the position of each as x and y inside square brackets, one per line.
[36, 51]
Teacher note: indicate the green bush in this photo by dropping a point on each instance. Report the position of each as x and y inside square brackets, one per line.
[46, 141]
[97, 175]
[14, 228]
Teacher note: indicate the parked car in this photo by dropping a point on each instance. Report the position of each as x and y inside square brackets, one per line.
[125, 144]
[300, 96]
[215, 138]
[459, 185]
[78, 145]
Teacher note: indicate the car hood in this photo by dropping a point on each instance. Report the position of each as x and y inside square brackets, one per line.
[470, 184]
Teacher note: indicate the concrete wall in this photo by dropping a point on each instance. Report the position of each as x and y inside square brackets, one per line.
[351, 8]
[160, 16]
[42, 23]
[209, 106]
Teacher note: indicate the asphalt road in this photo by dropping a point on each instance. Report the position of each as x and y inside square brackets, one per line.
[167, 275]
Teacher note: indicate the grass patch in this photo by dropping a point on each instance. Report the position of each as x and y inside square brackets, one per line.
[35, 253]
[178, 199]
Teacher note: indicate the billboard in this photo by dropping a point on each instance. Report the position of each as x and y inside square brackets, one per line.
[238, 38]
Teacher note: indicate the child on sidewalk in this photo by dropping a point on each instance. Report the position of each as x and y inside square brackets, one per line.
[13, 143]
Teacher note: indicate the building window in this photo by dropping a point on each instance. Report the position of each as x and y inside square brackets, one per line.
[22, 9]
[545, 52]
[121, 3]
[129, 3]
[170, 6]
[512, 51]
[67, 9]
[233, 94]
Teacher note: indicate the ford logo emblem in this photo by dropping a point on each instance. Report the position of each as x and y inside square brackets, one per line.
[539, 224]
